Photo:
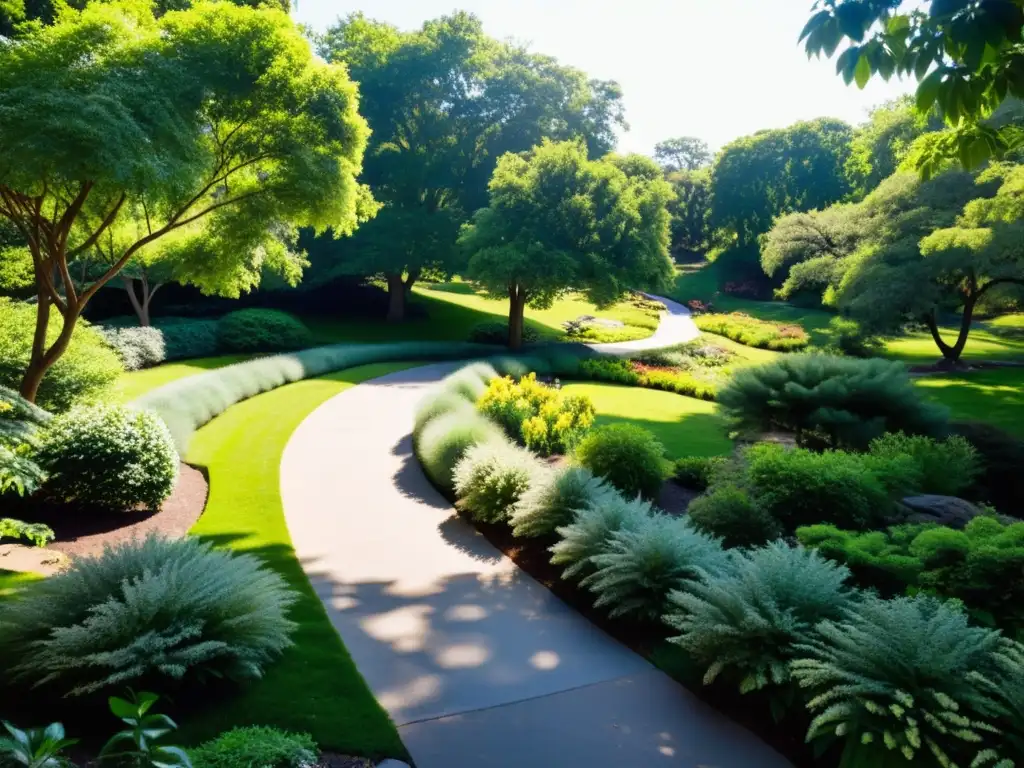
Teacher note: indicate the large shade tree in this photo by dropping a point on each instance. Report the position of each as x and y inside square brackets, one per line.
[444, 102]
[689, 210]
[558, 221]
[217, 122]
[682, 153]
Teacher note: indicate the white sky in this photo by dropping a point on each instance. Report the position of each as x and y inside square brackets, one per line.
[716, 69]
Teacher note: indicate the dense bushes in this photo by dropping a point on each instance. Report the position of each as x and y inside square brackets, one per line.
[81, 374]
[835, 401]
[186, 338]
[496, 332]
[765, 334]
[553, 498]
[491, 477]
[591, 531]
[20, 422]
[619, 371]
[696, 471]
[627, 456]
[262, 330]
[444, 440]
[136, 347]
[108, 456]
[256, 747]
[158, 607]
[944, 467]
[1001, 455]
[730, 513]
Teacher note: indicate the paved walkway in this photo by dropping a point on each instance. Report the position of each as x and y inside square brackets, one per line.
[676, 327]
[477, 664]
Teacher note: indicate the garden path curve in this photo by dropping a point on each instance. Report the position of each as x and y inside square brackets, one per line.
[478, 664]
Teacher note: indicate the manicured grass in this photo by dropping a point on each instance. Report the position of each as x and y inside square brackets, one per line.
[315, 687]
[995, 396]
[10, 581]
[135, 383]
[982, 344]
[687, 426]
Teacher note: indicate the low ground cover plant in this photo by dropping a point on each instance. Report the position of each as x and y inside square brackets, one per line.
[256, 746]
[701, 383]
[764, 334]
[262, 330]
[629, 457]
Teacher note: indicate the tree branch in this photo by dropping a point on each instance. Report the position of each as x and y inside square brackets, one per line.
[95, 236]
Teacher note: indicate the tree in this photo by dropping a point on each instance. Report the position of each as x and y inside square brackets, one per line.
[689, 210]
[558, 221]
[967, 55]
[217, 123]
[444, 102]
[684, 153]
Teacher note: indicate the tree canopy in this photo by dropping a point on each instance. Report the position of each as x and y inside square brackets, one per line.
[689, 210]
[558, 221]
[216, 123]
[683, 153]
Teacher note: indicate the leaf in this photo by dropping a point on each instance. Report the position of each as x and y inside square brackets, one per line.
[847, 63]
[116, 739]
[862, 72]
[54, 732]
[121, 708]
[145, 700]
[928, 91]
[814, 23]
[182, 758]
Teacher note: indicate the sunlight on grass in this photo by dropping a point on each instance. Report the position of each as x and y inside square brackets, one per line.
[919, 348]
[995, 396]
[11, 581]
[133, 384]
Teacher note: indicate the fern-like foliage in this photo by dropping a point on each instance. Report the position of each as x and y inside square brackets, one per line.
[894, 677]
[492, 476]
[744, 622]
[553, 500]
[1005, 688]
[146, 608]
[591, 530]
[639, 568]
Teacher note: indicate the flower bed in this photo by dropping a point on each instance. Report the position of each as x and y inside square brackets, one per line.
[745, 329]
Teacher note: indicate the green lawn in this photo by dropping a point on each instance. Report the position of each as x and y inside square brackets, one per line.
[133, 384]
[995, 396]
[982, 344]
[687, 426]
[11, 580]
[315, 687]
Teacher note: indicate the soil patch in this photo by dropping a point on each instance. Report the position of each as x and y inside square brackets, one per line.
[674, 498]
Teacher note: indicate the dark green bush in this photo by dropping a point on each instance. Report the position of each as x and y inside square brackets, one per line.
[727, 511]
[837, 401]
[629, 457]
[496, 332]
[137, 347]
[256, 747]
[696, 471]
[108, 456]
[261, 330]
[945, 467]
[186, 338]
[1001, 481]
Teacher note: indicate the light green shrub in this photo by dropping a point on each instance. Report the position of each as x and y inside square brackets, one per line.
[256, 747]
[445, 440]
[491, 477]
[437, 402]
[143, 609]
[637, 569]
[743, 622]
[591, 530]
[37, 533]
[754, 332]
[727, 511]
[470, 382]
[696, 471]
[553, 498]
[261, 330]
[20, 422]
[946, 467]
[629, 457]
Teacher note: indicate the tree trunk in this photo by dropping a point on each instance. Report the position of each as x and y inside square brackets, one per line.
[951, 352]
[42, 359]
[516, 308]
[396, 298]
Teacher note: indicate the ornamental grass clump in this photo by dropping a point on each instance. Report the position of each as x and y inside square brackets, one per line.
[591, 531]
[553, 498]
[172, 608]
[491, 477]
[445, 440]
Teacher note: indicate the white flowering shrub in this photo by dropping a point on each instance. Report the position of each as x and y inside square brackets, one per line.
[138, 347]
[552, 500]
[591, 531]
[109, 456]
[491, 478]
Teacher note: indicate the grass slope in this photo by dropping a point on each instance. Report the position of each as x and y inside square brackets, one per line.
[995, 396]
[315, 687]
[687, 426]
[133, 384]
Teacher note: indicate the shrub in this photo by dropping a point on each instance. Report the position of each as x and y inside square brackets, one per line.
[637, 569]
[470, 382]
[109, 456]
[20, 422]
[627, 456]
[437, 402]
[848, 338]
[491, 477]
[136, 347]
[157, 607]
[496, 332]
[741, 327]
[256, 747]
[619, 371]
[842, 402]
[945, 467]
[37, 533]
[745, 621]
[696, 471]
[553, 498]
[1001, 455]
[591, 531]
[895, 676]
[261, 330]
[185, 338]
[445, 440]
[728, 512]
[610, 369]
[688, 355]
[81, 374]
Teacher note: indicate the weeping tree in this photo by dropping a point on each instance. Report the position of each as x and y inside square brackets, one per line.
[559, 222]
[215, 124]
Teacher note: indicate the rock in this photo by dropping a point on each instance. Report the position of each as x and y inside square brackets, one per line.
[392, 763]
[599, 321]
[944, 510]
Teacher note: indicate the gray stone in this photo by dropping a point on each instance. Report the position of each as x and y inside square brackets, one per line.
[392, 763]
[944, 510]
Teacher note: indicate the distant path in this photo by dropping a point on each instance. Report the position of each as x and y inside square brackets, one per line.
[479, 665]
[676, 327]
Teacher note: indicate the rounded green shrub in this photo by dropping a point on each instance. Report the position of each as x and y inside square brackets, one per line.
[108, 456]
[444, 440]
[256, 747]
[696, 471]
[592, 528]
[186, 338]
[553, 498]
[491, 477]
[469, 382]
[727, 511]
[146, 609]
[496, 332]
[261, 330]
[946, 467]
[438, 402]
[629, 457]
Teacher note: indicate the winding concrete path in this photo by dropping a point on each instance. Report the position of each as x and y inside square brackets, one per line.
[478, 665]
[676, 327]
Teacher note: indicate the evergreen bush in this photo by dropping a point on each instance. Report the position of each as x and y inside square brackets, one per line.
[256, 747]
[727, 511]
[945, 467]
[553, 498]
[261, 330]
[591, 531]
[629, 457]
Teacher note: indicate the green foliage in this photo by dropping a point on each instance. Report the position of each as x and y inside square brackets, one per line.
[552, 499]
[1001, 483]
[947, 467]
[743, 622]
[765, 334]
[20, 422]
[446, 439]
[491, 478]
[591, 531]
[185, 338]
[82, 374]
[695, 472]
[37, 533]
[627, 456]
[151, 608]
[109, 456]
[842, 402]
[491, 332]
[438, 402]
[895, 676]
[689, 211]
[35, 747]
[728, 511]
[261, 330]
[137, 745]
[256, 746]
[471, 381]
[682, 153]
[619, 371]
[137, 348]
[849, 338]
[614, 370]
[635, 570]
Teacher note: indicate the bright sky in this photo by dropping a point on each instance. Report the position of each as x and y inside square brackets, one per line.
[716, 69]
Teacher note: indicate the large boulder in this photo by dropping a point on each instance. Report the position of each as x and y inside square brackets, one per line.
[944, 510]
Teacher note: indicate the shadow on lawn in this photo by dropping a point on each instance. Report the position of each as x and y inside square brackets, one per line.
[993, 396]
[693, 434]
